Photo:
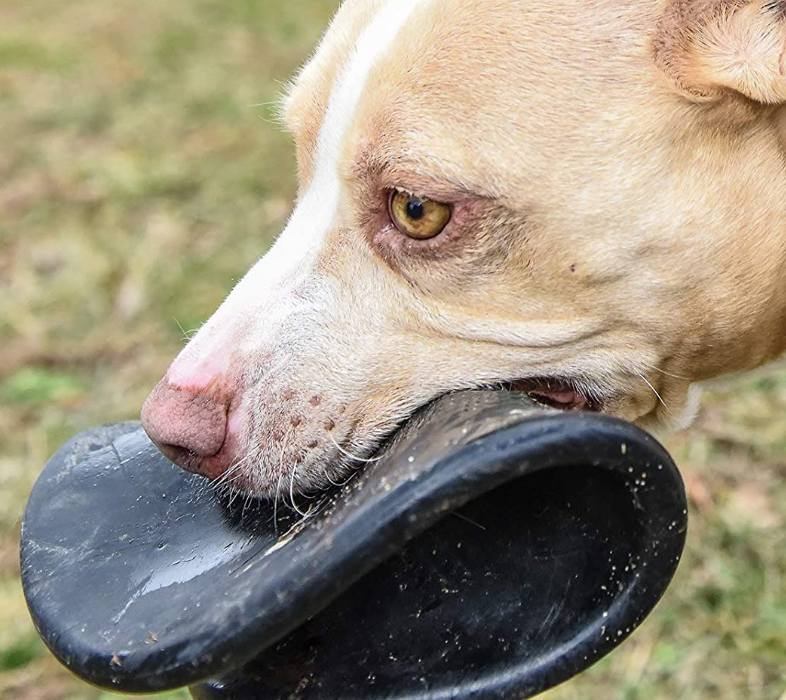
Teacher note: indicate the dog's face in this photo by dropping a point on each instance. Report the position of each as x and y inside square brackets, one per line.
[585, 200]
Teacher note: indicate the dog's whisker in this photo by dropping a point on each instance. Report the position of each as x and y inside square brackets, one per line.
[663, 371]
[228, 473]
[292, 492]
[315, 508]
[275, 503]
[232, 481]
[292, 474]
[233, 494]
[350, 455]
[199, 484]
[182, 330]
[187, 335]
[240, 463]
[334, 483]
[355, 471]
[654, 390]
[246, 503]
[237, 466]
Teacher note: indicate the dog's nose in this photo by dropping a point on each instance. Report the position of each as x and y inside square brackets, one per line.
[188, 425]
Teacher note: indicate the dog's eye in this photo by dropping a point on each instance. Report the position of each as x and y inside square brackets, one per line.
[418, 217]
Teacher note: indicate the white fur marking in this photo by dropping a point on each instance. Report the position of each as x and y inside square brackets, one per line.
[294, 254]
[317, 209]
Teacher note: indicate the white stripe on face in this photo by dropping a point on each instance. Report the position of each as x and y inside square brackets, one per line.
[293, 256]
[317, 209]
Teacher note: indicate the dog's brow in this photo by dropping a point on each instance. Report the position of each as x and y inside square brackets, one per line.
[316, 211]
[373, 43]
[321, 200]
[424, 172]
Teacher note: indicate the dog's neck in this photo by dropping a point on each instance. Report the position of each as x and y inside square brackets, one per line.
[748, 220]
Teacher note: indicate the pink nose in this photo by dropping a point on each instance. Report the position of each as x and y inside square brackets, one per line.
[188, 426]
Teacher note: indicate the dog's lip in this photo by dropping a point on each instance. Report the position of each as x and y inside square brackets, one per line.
[555, 392]
[212, 467]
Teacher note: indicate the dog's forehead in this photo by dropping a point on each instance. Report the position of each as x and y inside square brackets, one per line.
[457, 82]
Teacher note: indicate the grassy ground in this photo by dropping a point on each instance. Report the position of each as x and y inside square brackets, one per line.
[139, 176]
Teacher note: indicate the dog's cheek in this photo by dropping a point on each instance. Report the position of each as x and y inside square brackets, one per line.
[676, 409]
[780, 117]
[480, 243]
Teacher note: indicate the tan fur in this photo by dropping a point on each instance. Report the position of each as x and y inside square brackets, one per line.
[711, 46]
[620, 217]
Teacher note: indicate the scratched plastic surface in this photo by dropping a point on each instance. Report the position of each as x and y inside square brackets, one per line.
[498, 548]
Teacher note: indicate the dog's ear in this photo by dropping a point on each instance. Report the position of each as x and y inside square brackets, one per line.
[710, 47]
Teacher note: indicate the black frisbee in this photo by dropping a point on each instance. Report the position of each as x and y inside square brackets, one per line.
[496, 549]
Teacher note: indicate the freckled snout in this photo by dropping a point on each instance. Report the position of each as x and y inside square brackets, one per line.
[189, 425]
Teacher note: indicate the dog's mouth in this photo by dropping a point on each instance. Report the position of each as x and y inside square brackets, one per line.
[561, 394]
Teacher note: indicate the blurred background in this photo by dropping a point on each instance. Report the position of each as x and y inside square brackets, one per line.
[141, 174]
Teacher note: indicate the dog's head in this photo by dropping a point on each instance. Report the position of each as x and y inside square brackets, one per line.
[580, 199]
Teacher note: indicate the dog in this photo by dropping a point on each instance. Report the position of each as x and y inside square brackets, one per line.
[584, 200]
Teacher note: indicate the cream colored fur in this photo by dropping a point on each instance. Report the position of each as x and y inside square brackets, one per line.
[618, 179]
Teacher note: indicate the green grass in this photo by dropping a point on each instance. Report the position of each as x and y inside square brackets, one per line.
[37, 386]
[140, 174]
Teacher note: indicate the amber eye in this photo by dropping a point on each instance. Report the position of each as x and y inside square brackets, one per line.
[417, 217]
